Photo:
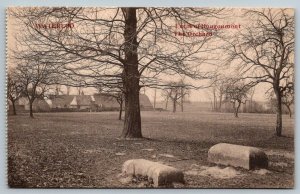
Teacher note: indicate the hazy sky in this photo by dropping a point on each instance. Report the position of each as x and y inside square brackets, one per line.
[196, 95]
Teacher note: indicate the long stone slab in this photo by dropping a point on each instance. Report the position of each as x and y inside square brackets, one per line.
[238, 156]
[161, 174]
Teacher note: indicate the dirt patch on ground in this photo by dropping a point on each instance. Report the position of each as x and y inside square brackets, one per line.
[214, 171]
[284, 153]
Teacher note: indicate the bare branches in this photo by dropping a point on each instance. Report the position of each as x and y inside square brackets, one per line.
[176, 91]
[94, 47]
[267, 46]
[264, 51]
[236, 91]
[14, 89]
[34, 76]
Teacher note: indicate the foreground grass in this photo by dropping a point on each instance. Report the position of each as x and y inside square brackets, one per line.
[83, 149]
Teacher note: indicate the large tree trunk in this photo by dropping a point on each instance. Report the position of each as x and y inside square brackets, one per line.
[121, 109]
[132, 121]
[30, 109]
[14, 107]
[278, 128]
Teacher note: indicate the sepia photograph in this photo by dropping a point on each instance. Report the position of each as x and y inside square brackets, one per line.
[150, 97]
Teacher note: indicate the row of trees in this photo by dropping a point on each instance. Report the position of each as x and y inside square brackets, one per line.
[126, 49]
[237, 92]
[177, 93]
[32, 86]
[30, 79]
[112, 47]
[264, 52]
[233, 90]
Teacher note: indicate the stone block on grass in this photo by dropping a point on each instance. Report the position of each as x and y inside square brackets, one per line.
[238, 156]
[162, 175]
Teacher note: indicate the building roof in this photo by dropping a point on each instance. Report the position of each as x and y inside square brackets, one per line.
[102, 99]
[83, 100]
[22, 101]
[105, 100]
[67, 100]
[41, 104]
[144, 101]
[37, 102]
[61, 101]
[74, 102]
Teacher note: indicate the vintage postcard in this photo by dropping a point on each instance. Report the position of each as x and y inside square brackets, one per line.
[150, 97]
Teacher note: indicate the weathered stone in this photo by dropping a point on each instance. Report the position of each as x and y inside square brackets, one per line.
[238, 156]
[161, 174]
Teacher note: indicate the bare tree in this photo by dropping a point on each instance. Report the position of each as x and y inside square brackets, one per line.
[14, 89]
[166, 96]
[131, 44]
[217, 92]
[116, 93]
[265, 51]
[236, 92]
[176, 92]
[35, 77]
[120, 99]
[184, 93]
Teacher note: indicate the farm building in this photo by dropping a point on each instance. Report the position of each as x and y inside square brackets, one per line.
[97, 102]
[145, 103]
[19, 108]
[76, 102]
[81, 102]
[22, 101]
[19, 105]
[39, 105]
[104, 102]
[60, 101]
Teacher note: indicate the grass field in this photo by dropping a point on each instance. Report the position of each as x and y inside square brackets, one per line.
[83, 149]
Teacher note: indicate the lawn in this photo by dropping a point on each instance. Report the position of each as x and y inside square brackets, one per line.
[83, 149]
